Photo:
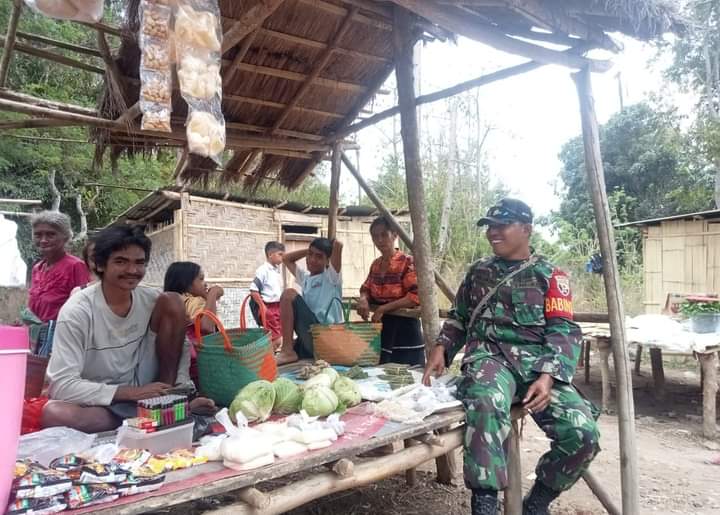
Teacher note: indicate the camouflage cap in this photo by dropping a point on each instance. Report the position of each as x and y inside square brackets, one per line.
[507, 211]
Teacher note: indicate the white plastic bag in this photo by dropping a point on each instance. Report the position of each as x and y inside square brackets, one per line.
[53, 442]
[155, 66]
[90, 11]
[14, 269]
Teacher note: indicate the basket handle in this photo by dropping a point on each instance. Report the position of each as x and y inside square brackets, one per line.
[221, 329]
[263, 319]
[345, 309]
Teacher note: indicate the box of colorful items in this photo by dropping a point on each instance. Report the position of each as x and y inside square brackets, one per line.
[163, 424]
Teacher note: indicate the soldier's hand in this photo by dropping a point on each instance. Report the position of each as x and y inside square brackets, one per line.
[538, 395]
[435, 364]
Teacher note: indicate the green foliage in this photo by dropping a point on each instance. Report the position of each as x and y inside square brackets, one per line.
[691, 308]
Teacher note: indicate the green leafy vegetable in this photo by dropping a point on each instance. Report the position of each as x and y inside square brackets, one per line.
[288, 396]
[347, 391]
[319, 401]
[255, 401]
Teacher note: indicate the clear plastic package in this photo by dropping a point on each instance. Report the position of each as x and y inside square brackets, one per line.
[155, 19]
[199, 77]
[197, 24]
[155, 69]
[206, 134]
[158, 442]
[90, 11]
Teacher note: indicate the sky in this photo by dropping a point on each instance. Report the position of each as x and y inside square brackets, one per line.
[532, 114]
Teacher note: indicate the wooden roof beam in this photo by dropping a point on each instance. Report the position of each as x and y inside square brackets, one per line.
[36, 123]
[250, 21]
[298, 77]
[278, 105]
[554, 20]
[59, 44]
[44, 54]
[42, 102]
[319, 66]
[11, 33]
[239, 56]
[321, 45]
[461, 23]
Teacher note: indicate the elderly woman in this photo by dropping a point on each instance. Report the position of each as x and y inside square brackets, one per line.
[57, 273]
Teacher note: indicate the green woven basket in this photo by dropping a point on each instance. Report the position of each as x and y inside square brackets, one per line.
[349, 343]
[230, 359]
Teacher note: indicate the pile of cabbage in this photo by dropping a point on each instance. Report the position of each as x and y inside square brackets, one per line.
[323, 394]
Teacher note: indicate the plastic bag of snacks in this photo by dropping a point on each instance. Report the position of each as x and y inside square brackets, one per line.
[33, 481]
[155, 65]
[37, 506]
[198, 43]
[90, 11]
[82, 496]
[141, 485]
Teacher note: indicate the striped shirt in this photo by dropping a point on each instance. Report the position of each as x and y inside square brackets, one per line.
[397, 282]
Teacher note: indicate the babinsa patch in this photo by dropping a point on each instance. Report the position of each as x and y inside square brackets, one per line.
[558, 299]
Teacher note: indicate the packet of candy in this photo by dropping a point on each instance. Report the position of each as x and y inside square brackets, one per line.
[36, 481]
[43, 506]
[81, 496]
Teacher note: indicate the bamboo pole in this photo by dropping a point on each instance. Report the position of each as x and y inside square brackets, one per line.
[403, 43]
[51, 56]
[10, 35]
[42, 102]
[35, 123]
[598, 194]
[399, 229]
[336, 163]
[602, 495]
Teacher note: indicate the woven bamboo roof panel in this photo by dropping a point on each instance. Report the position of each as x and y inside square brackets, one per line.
[304, 69]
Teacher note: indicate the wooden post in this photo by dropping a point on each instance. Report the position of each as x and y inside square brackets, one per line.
[402, 233]
[334, 190]
[638, 360]
[616, 312]
[404, 41]
[513, 493]
[602, 495]
[658, 373]
[709, 364]
[10, 41]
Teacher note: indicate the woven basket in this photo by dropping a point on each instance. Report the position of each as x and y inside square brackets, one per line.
[230, 359]
[349, 343]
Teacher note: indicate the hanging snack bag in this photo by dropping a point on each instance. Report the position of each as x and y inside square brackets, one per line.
[198, 42]
[135, 486]
[88, 11]
[155, 69]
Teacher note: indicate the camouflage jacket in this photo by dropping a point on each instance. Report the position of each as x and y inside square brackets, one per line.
[526, 323]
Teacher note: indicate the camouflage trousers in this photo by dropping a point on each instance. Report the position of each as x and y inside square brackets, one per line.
[488, 389]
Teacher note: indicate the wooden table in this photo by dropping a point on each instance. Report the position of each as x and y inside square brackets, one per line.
[707, 359]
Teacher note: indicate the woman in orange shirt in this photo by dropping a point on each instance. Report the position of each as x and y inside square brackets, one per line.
[392, 284]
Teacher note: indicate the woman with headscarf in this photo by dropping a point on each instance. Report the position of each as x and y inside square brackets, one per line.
[57, 273]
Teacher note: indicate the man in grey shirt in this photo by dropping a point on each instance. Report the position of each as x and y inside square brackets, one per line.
[116, 342]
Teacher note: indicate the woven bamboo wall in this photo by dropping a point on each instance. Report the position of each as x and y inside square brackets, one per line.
[680, 256]
[163, 253]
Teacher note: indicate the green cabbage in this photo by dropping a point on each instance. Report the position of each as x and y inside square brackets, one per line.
[331, 373]
[319, 380]
[347, 391]
[255, 401]
[319, 401]
[288, 396]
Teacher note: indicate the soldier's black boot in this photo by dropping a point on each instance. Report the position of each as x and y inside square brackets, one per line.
[538, 499]
[484, 501]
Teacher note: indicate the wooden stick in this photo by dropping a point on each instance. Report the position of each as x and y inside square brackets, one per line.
[35, 123]
[319, 45]
[513, 493]
[613, 292]
[129, 116]
[50, 56]
[460, 22]
[439, 95]
[411, 473]
[336, 164]
[229, 74]
[403, 43]
[638, 359]
[11, 33]
[315, 486]
[278, 105]
[343, 467]
[254, 497]
[402, 233]
[113, 71]
[248, 22]
[298, 77]
[602, 495]
[42, 102]
[59, 44]
[46, 139]
[20, 107]
[103, 27]
[20, 202]
[709, 364]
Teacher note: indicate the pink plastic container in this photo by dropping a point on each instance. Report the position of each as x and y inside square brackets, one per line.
[13, 359]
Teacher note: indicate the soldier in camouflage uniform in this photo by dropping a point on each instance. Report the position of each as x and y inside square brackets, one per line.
[521, 346]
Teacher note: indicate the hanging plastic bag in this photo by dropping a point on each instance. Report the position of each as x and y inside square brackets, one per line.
[155, 66]
[89, 11]
[198, 38]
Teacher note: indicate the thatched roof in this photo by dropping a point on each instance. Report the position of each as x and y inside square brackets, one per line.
[282, 84]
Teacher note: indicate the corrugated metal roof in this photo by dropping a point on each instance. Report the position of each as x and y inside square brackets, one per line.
[713, 213]
[158, 207]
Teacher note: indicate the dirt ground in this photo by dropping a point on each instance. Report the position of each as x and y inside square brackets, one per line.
[674, 474]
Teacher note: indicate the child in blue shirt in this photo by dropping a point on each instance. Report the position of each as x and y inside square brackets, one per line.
[320, 283]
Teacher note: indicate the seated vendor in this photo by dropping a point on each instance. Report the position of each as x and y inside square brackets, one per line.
[392, 284]
[116, 342]
[321, 283]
